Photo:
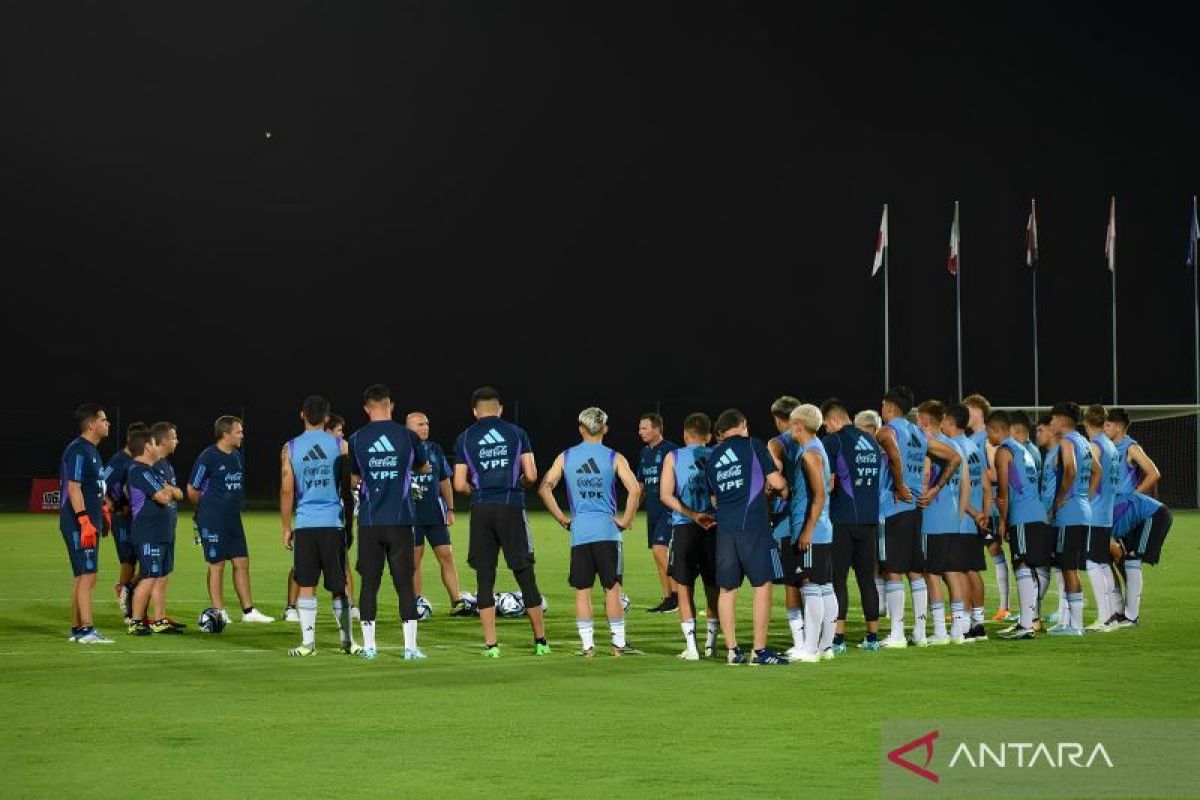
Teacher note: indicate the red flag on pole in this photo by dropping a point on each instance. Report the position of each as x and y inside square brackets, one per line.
[1110, 241]
[952, 260]
[881, 243]
[1031, 236]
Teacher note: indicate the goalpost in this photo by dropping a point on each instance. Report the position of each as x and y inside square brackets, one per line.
[1170, 435]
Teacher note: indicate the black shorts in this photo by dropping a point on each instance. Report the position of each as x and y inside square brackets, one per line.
[816, 563]
[434, 535]
[974, 551]
[1069, 547]
[1032, 543]
[789, 559]
[747, 556]
[317, 553]
[943, 553]
[496, 527]
[604, 560]
[1145, 542]
[693, 554]
[1096, 547]
[658, 529]
[900, 543]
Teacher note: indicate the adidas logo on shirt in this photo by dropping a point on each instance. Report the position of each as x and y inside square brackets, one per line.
[315, 453]
[382, 445]
[492, 437]
[863, 444]
[589, 468]
[730, 457]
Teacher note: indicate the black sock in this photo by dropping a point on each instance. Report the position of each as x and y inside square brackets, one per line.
[540, 640]
[247, 609]
[872, 637]
[487, 646]
[839, 638]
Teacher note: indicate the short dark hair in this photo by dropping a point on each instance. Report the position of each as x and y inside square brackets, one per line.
[1095, 415]
[86, 413]
[901, 397]
[960, 414]
[484, 394]
[224, 425]
[1044, 419]
[1021, 420]
[729, 419]
[834, 405]
[315, 409]
[1119, 415]
[933, 408]
[136, 439]
[133, 428]
[698, 423]
[159, 430]
[783, 407]
[1067, 409]
[335, 420]
[998, 417]
[376, 393]
[654, 419]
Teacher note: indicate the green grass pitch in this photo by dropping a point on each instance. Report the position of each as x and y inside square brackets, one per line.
[200, 715]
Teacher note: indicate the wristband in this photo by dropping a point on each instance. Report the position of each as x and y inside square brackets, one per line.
[80, 516]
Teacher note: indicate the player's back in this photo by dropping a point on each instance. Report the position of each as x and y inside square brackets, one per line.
[1131, 476]
[1024, 501]
[737, 471]
[384, 453]
[855, 459]
[802, 494]
[691, 485]
[313, 455]
[942, 514]
[1077, 509]
[589, 471]
[491, 449]
[912, 446]
[1110, 479]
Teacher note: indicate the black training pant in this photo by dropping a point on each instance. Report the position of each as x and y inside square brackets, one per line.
[393, 544]
[855, 546]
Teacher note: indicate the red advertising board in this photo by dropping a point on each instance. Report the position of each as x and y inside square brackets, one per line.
[44, 495]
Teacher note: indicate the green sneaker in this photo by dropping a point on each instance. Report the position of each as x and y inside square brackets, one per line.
[541, 649]
[491, 652]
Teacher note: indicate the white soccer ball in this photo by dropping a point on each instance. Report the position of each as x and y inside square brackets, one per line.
[625, 602]
[424, 608]
[521, 596]
[469, 601]
[509, 604]
[211, 621]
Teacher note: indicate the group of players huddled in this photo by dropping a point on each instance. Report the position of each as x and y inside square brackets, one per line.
[928, 501]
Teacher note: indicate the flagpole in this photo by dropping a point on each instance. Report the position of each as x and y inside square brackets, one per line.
[958, 303]
[1035, 338]
[1195, 257]
[1031, 254]
[887, 327]
[1114, 322]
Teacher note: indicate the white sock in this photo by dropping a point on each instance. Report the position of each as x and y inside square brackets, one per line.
[1116, 600]
[1002, 578]
[1064, 613]
[880, 586]
[586, 633]
[977, 615]
[1026, 596]
[1133, 588]
[689, 634]
[937, 610]
[814, 615]
[795, 618]
[1075, 609]
[829, 599]
[368, 632]
[1095, 573]
[710, 636]
[410, 634]
[1043, 579]
[895, 608]
[341, 613]
[920, 595]
[617, 628]
[307, 608]
[958, 618]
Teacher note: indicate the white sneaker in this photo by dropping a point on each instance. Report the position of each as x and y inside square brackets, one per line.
[1099, 627]
[225, 616]
[689, 654]
[291, 615]
[936, 641]
[94, 637]
[793, 653]
[804, 658]
[826, 654]
[254, 615]
[894, 644]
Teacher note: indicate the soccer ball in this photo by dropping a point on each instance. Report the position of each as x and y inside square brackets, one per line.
[469, 601]
[211, 621]
[625, 602]
[520, 596]
[424, 608]
[509, 604]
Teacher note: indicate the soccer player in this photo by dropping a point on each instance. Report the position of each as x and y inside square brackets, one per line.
[1021, 518]
[967, 550]
[495, 465]
[217, 488]
[813, 535]
[1098, 550]
[385, 456]
[658, 521]
[153, 499]
[785, 450]
[684, 490]
[313, 475]
[1139, 476]
[1049, 443]
[1141, 523]
[942, 511]
[591, 471]
[81, 487]
[433, 497]
[1078, 478]
[868, 421]
[854, 512]
[739, 472]
[980, 408]
[117, 501]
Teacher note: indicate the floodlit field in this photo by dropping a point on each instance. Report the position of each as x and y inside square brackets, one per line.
[231, 715]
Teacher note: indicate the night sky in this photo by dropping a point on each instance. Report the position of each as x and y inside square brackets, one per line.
[627, 205]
